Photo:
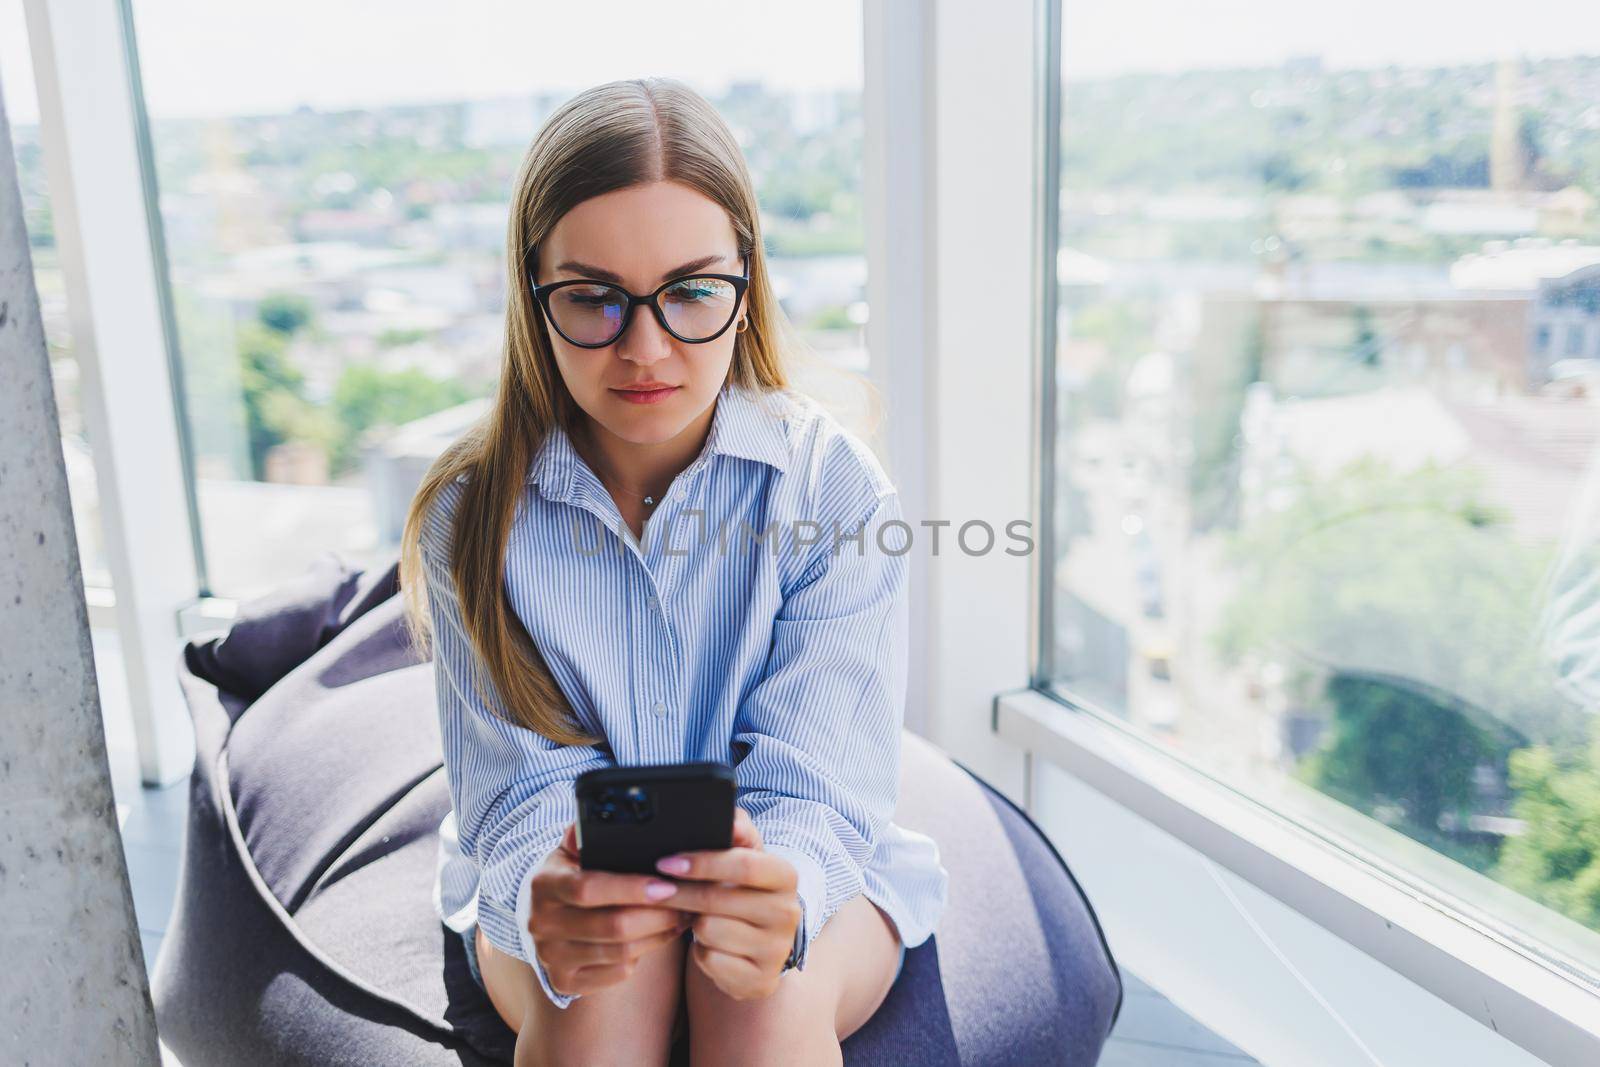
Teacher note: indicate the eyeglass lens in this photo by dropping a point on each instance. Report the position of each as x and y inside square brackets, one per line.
[695, 308]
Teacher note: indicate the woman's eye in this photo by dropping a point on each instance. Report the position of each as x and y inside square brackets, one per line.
[691, 292]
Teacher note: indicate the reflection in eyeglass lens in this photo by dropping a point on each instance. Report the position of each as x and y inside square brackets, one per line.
[695, 308]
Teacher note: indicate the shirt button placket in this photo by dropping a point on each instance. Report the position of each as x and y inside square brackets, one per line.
[657, 640]
[659, 708]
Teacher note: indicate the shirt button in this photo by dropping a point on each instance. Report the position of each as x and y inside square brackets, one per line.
[655, 605]
[658, 708]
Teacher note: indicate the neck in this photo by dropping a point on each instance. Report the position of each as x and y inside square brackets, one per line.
[642, 468]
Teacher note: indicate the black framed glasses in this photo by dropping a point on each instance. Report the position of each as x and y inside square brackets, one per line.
[694, 308]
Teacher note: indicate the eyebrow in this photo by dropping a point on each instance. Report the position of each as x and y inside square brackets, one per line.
[608, 276]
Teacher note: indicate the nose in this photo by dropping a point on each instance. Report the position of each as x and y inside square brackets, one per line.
[644, 341]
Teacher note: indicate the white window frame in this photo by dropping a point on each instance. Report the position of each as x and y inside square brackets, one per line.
[985, 182]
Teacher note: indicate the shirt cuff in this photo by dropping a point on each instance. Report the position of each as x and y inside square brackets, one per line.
[813, 899]
[524, 911]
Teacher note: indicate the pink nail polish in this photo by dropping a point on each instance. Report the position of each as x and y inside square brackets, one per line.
[673, 864]
[659, 890]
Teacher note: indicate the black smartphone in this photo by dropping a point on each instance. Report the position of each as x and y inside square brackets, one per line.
[629, 817]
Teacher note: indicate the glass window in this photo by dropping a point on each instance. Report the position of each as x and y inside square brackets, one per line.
[1324, 525]
[335, 207]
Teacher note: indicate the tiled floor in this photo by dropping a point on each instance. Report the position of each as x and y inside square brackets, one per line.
[152, 839]
[1151, 1032]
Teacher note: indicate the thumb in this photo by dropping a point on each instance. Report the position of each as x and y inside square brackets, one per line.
[569, 840]
[745, 833]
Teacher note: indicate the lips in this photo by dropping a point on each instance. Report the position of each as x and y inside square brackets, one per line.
[648, 395]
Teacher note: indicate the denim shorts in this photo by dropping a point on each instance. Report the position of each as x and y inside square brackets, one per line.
[469, 938]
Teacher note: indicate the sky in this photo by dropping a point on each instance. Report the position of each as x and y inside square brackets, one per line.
[1100, 38]
[227, 57]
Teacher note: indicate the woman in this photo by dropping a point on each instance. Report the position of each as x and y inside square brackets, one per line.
[653, 550]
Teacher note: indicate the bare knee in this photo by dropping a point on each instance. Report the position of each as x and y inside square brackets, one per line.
[849, 970]
[627, 1023]
[792, 1026]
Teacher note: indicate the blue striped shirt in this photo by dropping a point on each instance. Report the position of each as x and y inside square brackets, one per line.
[746, 626]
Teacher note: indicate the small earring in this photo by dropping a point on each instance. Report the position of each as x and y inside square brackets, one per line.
[743, 325]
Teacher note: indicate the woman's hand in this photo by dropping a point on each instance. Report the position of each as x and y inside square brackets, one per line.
[746, 925]
[590, 928]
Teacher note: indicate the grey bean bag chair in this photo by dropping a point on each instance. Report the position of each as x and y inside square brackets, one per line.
[304, 929]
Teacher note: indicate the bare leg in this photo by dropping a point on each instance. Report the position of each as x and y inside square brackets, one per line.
[629, 1023]
[848, 973]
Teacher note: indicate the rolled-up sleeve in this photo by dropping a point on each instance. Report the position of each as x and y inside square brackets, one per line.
[821, 729]
[512, 789]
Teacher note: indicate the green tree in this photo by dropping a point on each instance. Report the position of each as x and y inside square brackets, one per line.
[366, 397]
[275, 403]
[397, 337]
[1380, 729]
[1418, 605]
[1556, 859]
[273, 390]
[285, 313]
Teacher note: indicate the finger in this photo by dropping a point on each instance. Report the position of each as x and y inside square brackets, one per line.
[569, 840]
[739, 938]
[661, 940]
[594, 889]
[590, 953]
[726, 969]
[618, 924]
[558, 863]
[594, 978]
[759, 906]
[740, 865]
[744, 829]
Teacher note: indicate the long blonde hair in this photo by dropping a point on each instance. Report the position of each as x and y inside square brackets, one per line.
[608, 137]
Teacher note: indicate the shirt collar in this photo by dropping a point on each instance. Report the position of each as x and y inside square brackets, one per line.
[746, 423]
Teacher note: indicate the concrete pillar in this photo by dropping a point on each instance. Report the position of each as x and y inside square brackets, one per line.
[73, 987]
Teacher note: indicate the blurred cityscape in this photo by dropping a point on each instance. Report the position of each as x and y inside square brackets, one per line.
[1328, 496]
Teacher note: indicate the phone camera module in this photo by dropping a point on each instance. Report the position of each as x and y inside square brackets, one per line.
[630, 805]
[639, 805]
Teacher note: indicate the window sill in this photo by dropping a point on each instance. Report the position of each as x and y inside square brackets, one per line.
[1548, 1012]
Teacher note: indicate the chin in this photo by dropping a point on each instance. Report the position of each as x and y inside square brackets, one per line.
[641, 424]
